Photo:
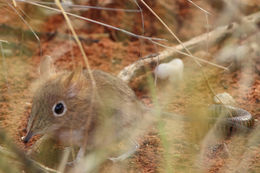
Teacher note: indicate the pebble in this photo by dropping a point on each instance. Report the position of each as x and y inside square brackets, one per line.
[173, 70]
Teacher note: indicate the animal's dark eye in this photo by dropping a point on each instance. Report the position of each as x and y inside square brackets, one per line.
[59, 109]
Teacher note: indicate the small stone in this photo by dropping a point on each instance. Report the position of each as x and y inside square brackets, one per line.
[173, 70]
[225, 98]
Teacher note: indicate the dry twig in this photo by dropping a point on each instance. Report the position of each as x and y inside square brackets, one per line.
[194, 44]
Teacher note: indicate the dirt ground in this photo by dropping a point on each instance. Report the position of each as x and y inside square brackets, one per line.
[111, 51]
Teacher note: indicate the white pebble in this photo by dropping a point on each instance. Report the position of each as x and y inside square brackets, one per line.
[172, 70]
[162, 71]
[176, 70]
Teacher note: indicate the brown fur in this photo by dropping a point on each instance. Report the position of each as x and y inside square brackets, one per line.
[111, 106]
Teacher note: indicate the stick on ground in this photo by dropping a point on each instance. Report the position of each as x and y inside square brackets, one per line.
[192, 45]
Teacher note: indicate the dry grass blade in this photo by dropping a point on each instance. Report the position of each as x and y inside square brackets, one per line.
[87, 65]
[205, 11]
[27, 24]
[93, 21]
[86, 7]
[179, 48]
[77, 40]
[166, 26]
[14, 2]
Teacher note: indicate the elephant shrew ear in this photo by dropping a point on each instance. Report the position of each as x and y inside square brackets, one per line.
[74, 82]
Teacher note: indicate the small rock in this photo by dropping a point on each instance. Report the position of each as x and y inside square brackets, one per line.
[173, 70]
[225, 98]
